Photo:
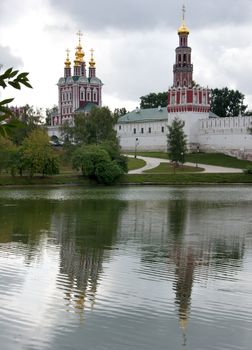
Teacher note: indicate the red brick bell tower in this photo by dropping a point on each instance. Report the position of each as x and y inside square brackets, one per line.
[183, 96]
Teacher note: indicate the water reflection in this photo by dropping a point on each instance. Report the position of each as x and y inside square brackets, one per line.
[85, 232]
[156, 263]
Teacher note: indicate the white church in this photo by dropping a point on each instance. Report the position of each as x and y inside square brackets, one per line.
[146, 129]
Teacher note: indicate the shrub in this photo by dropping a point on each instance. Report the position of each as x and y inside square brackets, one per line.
[95, 162]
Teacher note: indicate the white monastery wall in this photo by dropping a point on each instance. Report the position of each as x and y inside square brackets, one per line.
[227, 135]
[144, 136]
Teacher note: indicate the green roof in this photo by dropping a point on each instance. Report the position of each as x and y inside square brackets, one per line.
[87, 108]
[143, 115]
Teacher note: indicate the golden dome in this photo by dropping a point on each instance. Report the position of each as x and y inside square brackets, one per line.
[92, 61]
[183, 29]
[79, 55]
[67, 61]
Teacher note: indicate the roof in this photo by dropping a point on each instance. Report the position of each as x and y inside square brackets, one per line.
[87, 108]
[142, 115]
[80, 79]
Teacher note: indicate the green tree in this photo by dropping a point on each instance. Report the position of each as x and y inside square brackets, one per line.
[176, 141]
[15, 79]
[7, 151]
[92, 128]
[29, 119]
[118, 112]
[227, 103]
[38, 155]
[154, 100]
[49, 113]
[96, 163]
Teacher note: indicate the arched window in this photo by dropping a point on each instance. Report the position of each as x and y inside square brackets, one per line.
[88, 94]
[95, 95]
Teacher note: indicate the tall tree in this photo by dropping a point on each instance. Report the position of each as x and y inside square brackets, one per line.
[154, 100]
[176, 141]
[118, 112]
[227, 103]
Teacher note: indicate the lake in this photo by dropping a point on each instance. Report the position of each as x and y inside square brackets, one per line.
[123, 268]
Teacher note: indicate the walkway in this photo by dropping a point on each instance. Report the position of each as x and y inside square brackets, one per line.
[152, 163]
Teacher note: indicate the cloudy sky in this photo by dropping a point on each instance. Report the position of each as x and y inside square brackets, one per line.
[134, 42]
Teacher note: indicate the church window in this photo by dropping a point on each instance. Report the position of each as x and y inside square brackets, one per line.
[185, 83]
[95, 95]
[179, 57]
[88, 95]
[149, 130]
[162, 129]
[134, 131]
[184, 59]
[82, 95]
[142, 130]
[120, 127]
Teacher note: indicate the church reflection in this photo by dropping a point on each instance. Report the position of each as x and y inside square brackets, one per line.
[86, 233]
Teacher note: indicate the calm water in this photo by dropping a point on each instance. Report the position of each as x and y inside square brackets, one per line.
[126, 268]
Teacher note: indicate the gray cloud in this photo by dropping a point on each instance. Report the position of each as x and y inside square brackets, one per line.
[147, 14]
[8, 60]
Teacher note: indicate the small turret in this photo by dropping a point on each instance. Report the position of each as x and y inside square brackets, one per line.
[92, 68]
[67, 70]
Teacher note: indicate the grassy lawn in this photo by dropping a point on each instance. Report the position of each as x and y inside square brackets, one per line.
[166, 168]
[186, 179]
[135, 163]
[40, 181]
[218, 159]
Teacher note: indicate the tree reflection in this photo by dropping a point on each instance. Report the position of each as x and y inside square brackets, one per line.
[23, 223]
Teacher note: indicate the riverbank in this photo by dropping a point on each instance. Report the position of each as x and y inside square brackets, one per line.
[132, 179]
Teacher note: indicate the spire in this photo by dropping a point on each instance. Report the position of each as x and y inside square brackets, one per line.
[92, 61]
[67, 70]
[92, 70]
[79, 54]
[183, 29]
[67, 61]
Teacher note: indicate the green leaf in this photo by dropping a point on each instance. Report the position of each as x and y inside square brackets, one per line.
[12, 75]
[5, 102]
[2, 83]
[15, 84]
[26, 84]
[6, 74]
[22, 75]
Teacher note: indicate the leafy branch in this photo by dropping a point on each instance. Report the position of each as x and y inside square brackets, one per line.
[15, 79]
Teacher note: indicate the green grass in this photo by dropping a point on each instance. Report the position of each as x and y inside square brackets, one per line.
[166, 168]
[152, 154]
[218, 159]
[186, 179]
[135, 163]
[40, 181]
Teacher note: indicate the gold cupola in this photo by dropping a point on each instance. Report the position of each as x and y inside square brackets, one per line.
[92, 61]
[79, 54]
[67, 61]
[183, 29]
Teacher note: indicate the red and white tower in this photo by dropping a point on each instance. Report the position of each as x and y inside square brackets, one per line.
[187, 100]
